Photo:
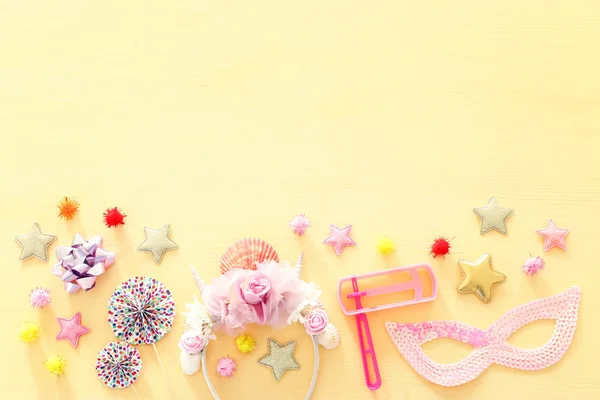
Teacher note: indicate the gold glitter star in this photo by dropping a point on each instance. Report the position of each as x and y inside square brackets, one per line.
[493, 217]
[157, 242]
[280, 357]
[35, 243]
[479, 278]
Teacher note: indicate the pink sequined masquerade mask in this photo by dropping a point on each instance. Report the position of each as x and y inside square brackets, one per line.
[490, 346]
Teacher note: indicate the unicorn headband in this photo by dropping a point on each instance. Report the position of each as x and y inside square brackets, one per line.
[254, 288]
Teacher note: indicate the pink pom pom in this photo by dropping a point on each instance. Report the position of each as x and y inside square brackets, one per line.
[39, 298]
[226, 367]
[533, 265]
[299, 224]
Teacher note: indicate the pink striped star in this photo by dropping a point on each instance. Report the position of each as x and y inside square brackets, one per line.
[339, 238]
[553, 236]
[71, 329]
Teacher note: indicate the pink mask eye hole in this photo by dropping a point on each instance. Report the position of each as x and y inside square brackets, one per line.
[490, 346]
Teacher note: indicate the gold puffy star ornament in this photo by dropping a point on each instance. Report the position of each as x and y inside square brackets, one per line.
[157, 242]
[35, 243]
[493, 217]
[479, 278]
[280, 357]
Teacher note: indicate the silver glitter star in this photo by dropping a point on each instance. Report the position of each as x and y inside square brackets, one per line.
[280, 357]
[35, 243]
[157, 242]
[493, 217]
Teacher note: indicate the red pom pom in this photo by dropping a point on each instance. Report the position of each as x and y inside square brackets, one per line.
[440, 247]
[113, 217]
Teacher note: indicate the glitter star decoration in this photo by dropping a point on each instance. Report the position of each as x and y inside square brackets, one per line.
[71, 329]
[339, 238]
[493, 217]
[553, 236]
[157, 242]
[280, 358]
[479, 278]
[35, 243]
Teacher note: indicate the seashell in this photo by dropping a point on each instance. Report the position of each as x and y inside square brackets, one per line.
[246, 253]
[199, 281]
[298, 266]
[330, 337]
[190, 363]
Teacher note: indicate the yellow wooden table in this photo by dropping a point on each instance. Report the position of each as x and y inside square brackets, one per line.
[225, 119]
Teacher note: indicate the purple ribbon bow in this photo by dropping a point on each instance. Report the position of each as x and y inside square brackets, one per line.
[82, 263]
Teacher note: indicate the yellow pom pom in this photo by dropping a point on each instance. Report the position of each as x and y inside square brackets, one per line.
[385, 245]
[245, 343]
[29, 332]
[55, 364]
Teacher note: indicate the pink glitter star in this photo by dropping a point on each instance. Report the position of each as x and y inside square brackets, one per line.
[71, 329]
[553, 236]
[339, 238]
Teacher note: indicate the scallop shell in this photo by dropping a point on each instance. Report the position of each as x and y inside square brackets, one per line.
[246, 253]
[190, 363]
[329, 338]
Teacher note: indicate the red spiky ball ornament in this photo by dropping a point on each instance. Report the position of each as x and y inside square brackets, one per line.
[440, 247]
[113, 217]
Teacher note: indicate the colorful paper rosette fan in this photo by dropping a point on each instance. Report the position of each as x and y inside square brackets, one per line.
[141, 311]
[118, 365]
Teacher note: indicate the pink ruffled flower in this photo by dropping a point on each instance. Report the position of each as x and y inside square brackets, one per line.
[192, 343]
[316, 321]
[217, 298]
[268, 295]
[286, 291]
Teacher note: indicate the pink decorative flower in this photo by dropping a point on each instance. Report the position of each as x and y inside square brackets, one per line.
[316, 321]
[217, 299]
[255, 291]
[268, 295]
[192, 343]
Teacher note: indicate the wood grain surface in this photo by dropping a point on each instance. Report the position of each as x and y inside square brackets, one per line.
[225, 119]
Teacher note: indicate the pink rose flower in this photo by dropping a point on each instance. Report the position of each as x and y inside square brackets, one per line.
[256, 297]
[192, 343]
[316, 321]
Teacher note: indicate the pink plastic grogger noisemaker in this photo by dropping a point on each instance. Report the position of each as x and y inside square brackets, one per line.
[362, 324]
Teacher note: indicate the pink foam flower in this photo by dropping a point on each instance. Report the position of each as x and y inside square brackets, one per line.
[39, 298]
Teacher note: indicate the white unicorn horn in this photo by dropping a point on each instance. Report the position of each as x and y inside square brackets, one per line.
[298, 266]
[199, 281]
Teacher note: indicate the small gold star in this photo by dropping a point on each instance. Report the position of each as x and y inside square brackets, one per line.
[280, 357]
[493, 217]
[157, 242]
[35, 243]
[479, 278]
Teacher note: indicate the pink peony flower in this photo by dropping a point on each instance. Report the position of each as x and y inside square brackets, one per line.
[316, 321]
[256, 294]
[220, 303]
[286, 291]
[192, 343]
